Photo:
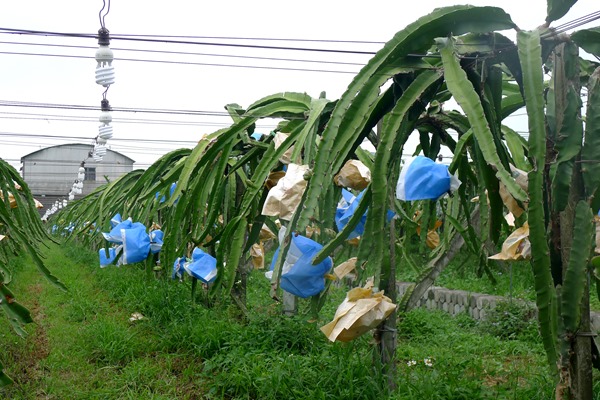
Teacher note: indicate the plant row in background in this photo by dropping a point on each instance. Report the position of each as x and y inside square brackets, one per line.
[549, 183]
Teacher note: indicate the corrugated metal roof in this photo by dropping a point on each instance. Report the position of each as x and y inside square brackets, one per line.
[87, 146]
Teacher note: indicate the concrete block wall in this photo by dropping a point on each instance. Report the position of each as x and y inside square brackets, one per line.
[475, 304]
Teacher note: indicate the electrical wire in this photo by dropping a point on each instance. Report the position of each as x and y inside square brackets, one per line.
[255, 38]
[188, 53]
[136, 121]
[150, 40]
[586, 19]
[14, 103]
[104, 5]
[65, 137]
[186, 63]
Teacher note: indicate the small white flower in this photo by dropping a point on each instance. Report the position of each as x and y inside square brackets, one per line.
[428, 362]
[411, 363]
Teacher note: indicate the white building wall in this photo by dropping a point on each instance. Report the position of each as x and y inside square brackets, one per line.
[51, 172]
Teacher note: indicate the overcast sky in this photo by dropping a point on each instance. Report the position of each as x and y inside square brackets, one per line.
[180, 84]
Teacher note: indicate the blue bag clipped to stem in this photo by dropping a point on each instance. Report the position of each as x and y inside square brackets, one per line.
[178, 269]
[131, 236]
[421, 178]
[156, 241]
[164, 198]
[298, 276]
[116, 220]
[203, 266]
[107, 259]
[136, 245]
[345, 209]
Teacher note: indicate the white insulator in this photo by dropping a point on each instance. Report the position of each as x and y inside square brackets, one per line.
[105, 117]
[79, 185]
[105, 76]
[80, 176]
[81, 170]
[64, 202]
[78, 191]
[97, 158]
[100, 141]
[100, 150]
[105, 131]
[71, 197]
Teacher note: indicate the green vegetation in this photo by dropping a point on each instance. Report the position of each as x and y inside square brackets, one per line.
[83, 346]
[220, 190]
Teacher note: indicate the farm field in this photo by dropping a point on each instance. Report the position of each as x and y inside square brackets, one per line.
[83, 346]
[290, 262]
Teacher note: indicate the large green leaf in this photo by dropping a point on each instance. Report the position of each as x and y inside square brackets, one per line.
[467, 98]
[517, 146]
[568, 131]
[530, 54]
[588, 40]
[575, 276]
[4, 379]
[590, 153]
[350, 117]
[558, 8]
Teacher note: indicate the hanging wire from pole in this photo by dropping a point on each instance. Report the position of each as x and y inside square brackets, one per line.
[105, 76]
[106, 5]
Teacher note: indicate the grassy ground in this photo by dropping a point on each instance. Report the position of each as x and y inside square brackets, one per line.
[83, 346]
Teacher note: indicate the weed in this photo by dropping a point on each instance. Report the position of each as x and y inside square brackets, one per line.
[511, 320]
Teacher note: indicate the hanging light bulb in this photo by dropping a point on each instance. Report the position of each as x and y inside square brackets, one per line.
[81, 175]
[79, 185]
[64, 202]
[105, 131]
[71, 196]
[105, 72]
[100, 150]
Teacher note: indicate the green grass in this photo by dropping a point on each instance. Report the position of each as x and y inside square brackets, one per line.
[83, 346]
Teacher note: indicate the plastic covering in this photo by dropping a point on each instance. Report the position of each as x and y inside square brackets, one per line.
[345, 209]
[108, 258]
[164, 198]
[133, 240]
[299, 277]
[156, 241]
[421, 178]
[203, 266]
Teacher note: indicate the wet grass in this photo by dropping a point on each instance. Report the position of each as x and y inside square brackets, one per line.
[83, 346]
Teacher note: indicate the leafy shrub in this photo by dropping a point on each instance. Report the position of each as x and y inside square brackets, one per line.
[419, 323]
[511, 320]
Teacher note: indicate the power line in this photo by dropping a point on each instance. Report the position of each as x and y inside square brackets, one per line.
[253, 38]
[28, 135]
[186, 63]
[153, 151]
[26, 104]
[572, 24]
[151, 40]
[64, 162]
[72, 118]
[188, 53]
